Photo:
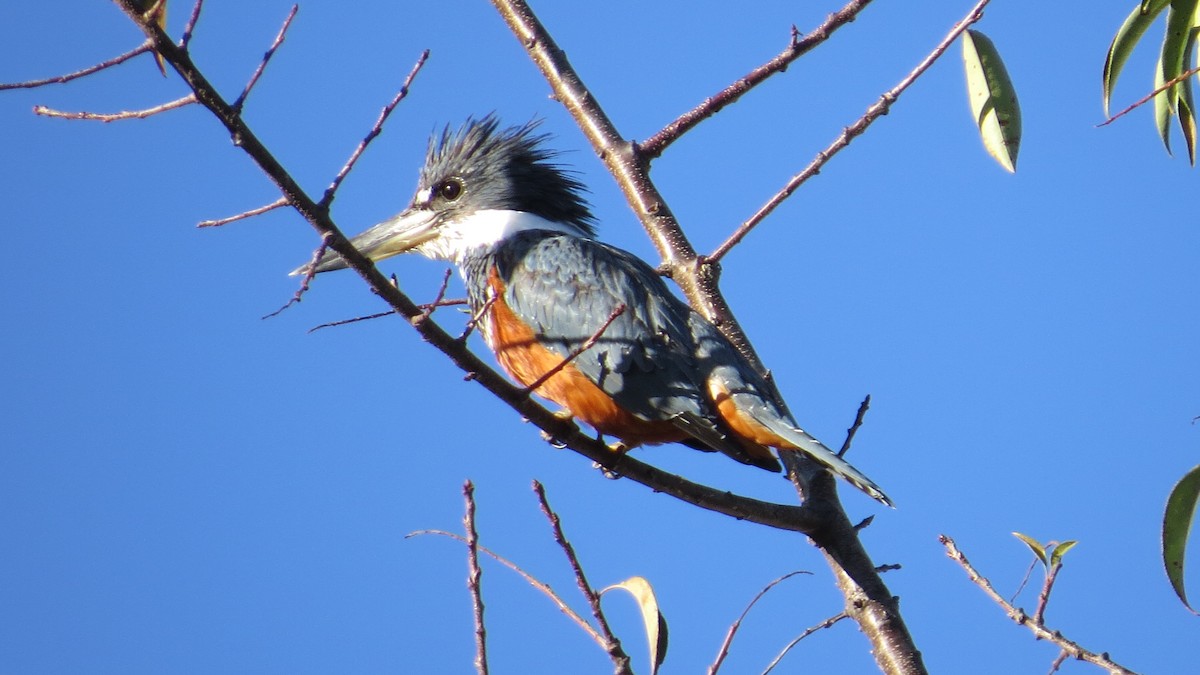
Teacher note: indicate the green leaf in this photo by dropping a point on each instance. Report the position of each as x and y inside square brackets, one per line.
[1180, 19]
[1177, 524]
[1060, 550]
[1125, 40]
[655, 622]
[993, 99]
[1162, 108]
[1187, 105]
[1035, 546]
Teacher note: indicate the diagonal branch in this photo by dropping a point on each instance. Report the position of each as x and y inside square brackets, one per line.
[532, 580]
[1039, 630]
[375, 130]
[262, 64]
[613, 646]
[61, 79]
[877, 110]
[868, 599]
[654, 146]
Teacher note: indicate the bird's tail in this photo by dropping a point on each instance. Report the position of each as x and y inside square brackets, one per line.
[805, 442]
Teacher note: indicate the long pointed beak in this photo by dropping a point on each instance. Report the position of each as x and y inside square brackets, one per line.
[403, 232]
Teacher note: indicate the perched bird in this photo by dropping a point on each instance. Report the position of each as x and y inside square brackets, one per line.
[516, 225]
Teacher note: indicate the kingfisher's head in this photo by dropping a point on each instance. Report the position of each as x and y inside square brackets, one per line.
[479, 185]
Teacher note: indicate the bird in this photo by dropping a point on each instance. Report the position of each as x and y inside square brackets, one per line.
[623, 353]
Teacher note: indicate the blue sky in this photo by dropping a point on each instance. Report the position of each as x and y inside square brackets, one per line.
[187, 487]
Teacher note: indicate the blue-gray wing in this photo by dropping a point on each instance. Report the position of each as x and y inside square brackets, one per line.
[567, 289]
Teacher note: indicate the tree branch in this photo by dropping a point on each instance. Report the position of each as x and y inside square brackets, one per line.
[653, 147]
[1039, 630]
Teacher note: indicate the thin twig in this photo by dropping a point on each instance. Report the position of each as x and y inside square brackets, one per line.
[190, 26]
[245, 214]
[858, 422]
[375, 130]
[827, 623]
[655, 145]
[587, 344]
[877, 110]
[733, 628]
[1024, 580]
[437, 300]
[115, 117]
[1057, 662]
[541, 586]
[474, 574]
[612, 645]
[1145, 99]
[343, 322]
[476, 318]
[262, 64]
[308, 277]
[61, 79]
[1040, 631]
[1039, 614]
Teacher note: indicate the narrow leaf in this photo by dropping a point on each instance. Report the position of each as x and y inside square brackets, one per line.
[1059, 551]
[1127, 37]
[1186, 111]
[655, 622]
[1180, 19]
[1163, 108]
[993, 99]
[1037, 548]
[1177, 524]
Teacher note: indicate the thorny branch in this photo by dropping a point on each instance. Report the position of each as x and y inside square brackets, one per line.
[1039, 629]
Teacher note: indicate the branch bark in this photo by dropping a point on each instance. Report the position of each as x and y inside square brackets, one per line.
[868, 599]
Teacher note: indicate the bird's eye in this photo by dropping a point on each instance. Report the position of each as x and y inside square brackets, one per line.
[450, 189]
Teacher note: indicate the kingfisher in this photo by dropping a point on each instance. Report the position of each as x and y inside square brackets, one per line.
[625, 355]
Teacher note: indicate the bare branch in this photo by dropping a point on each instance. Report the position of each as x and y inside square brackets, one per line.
[375, 130]
[245, 214]
[532, 580]
[474, 575]
[1039, 614]
[653, 147]
[343, 322]
[827, 623]
[858, 421]
[437, 299]
[1039, 630]
[613, 646]
[190, 26]
[262, 65]
[879, 109]
[115, 117]
[1146, 99]
[733, 629]
[61, 79]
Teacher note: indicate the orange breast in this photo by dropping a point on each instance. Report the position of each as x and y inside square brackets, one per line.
[526, 360]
